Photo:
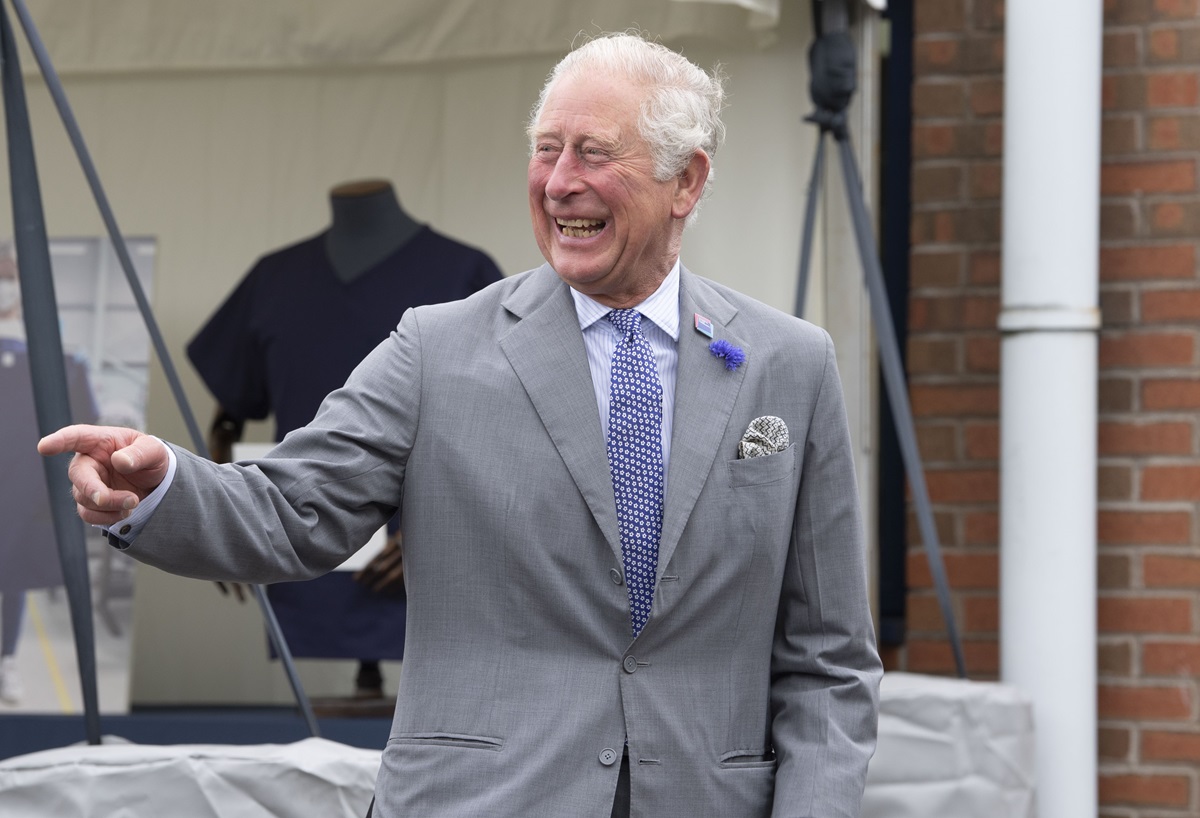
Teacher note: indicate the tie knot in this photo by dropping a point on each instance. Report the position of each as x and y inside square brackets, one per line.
[626, 321]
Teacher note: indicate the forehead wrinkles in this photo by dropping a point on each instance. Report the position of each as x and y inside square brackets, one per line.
[572, 113]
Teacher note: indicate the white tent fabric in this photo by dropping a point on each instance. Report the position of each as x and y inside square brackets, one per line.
[154, 35]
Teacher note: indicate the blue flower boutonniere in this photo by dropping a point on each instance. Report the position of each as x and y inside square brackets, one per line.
[734, 356]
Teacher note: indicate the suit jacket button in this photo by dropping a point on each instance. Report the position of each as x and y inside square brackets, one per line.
[616, 576]
[608, 756]
[630, 664]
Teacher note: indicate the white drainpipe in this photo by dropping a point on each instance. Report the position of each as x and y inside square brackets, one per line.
[1049, 322]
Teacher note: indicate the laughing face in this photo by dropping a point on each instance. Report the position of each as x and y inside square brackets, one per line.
[605, 224]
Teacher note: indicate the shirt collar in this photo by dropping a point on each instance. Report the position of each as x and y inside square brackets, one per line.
[662, 307]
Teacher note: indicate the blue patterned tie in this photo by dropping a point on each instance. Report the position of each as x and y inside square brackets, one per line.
[635, 459]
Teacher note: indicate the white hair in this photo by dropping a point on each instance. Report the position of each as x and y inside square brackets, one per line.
[682, 110]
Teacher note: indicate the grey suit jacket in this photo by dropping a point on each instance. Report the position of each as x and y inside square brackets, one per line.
[751, 691]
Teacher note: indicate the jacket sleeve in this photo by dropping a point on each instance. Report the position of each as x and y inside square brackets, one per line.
[825, 669]
[314, 499]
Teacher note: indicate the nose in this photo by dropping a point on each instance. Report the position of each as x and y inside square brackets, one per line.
[565, 177]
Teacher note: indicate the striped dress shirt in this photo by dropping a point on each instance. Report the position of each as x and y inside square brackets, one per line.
[600, 338]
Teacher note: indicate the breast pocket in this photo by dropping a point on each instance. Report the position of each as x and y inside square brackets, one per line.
[762, 502]
[759, 471]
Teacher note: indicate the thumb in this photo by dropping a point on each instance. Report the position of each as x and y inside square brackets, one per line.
[144, 454]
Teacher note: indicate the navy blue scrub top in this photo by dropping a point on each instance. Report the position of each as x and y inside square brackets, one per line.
[290, 334]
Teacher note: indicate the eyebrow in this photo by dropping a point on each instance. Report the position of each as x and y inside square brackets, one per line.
[607, 143]
[610, 145]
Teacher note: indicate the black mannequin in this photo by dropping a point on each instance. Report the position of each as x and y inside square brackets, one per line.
[368, 226]
[378, 260]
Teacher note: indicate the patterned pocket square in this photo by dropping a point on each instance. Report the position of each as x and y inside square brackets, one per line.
[765, 435]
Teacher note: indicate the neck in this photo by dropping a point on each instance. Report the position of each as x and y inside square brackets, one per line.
[368, 226]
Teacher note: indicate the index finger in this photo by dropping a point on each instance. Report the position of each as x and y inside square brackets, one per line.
[69, 439]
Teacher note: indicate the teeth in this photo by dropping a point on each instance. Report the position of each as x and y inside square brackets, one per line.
[580, 228]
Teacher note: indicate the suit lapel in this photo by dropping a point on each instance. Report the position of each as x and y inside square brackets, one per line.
[545, 349]
[705, 392]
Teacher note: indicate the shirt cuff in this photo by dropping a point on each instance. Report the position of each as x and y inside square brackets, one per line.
[122, 535]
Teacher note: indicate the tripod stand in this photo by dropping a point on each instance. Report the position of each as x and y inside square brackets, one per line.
[833, 67]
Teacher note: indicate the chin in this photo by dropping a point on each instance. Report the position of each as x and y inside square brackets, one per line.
[575, 269]
[582, 280]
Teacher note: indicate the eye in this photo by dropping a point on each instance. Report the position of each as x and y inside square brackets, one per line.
[593, 154]
[546, 149]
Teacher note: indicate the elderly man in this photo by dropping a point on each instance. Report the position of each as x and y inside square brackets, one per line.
[632, 548]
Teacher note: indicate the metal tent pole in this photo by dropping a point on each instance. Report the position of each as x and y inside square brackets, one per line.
[47, 368]
[164, 357]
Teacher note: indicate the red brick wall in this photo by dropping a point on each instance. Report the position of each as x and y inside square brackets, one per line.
[953, 349]
[1149, 439]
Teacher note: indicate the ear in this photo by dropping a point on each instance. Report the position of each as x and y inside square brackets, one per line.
[689, 185]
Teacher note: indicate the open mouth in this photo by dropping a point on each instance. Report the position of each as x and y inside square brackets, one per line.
[580, 228]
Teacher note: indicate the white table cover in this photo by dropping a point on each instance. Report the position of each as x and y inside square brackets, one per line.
[950, 748]
[308, 778]
[947, 749]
